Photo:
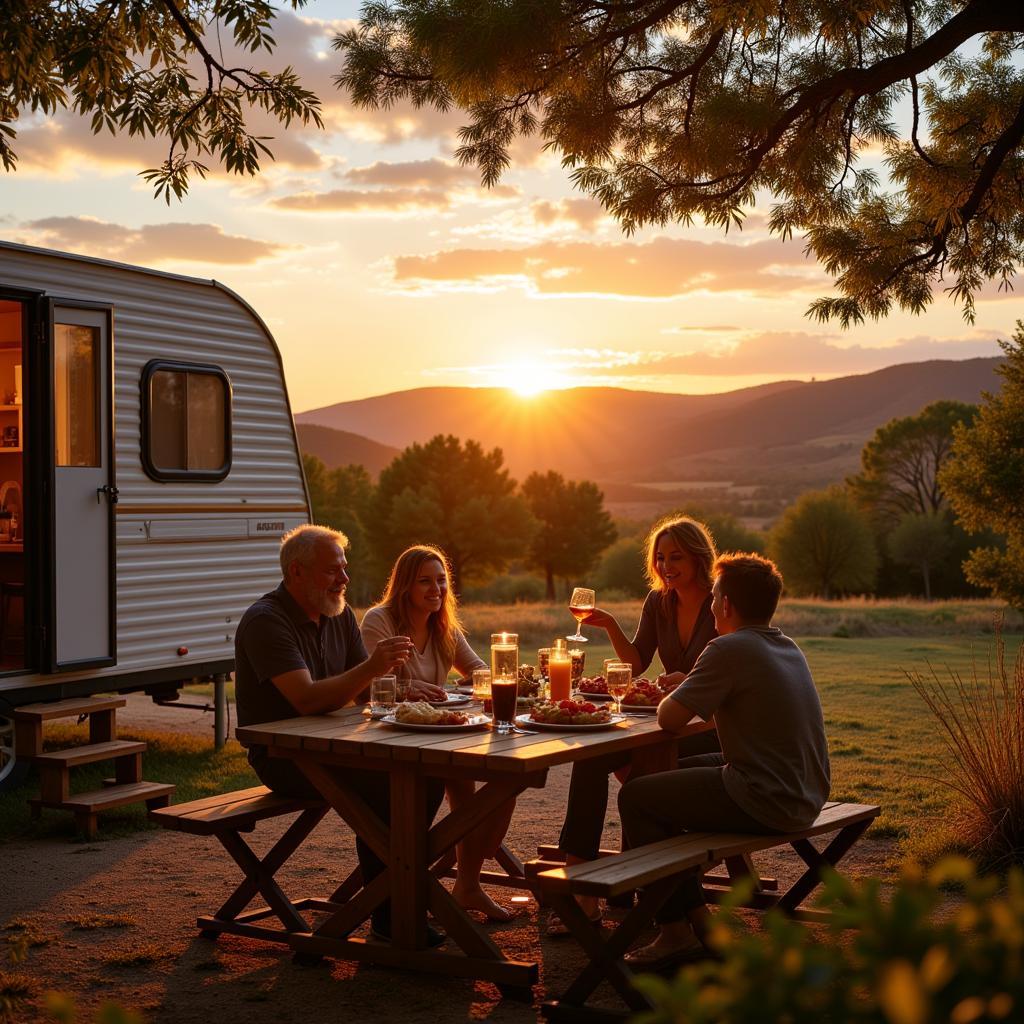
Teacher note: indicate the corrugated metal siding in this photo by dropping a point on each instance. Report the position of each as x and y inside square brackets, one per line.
[173, 594]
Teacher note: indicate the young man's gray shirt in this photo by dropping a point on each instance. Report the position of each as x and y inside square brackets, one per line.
[757, 686]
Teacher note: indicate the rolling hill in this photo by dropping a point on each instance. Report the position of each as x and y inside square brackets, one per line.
[791, 434]
[342, 448]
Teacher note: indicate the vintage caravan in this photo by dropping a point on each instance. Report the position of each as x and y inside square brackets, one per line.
[148, 467]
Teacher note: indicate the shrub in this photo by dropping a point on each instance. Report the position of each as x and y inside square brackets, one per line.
[982, 727]
[909, 960]
[508, 589]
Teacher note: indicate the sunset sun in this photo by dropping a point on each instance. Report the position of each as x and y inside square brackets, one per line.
[529, 379]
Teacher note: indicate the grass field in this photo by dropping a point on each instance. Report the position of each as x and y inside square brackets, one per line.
[886, 747]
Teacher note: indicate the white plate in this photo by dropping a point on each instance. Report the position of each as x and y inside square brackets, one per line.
[475, 722]
[450, 700]
[531, 723]
[640, 709]
[596, 697]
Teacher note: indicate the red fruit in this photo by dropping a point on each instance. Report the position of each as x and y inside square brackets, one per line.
[588, 708]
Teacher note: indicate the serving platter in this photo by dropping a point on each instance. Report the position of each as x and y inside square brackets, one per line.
[531, 723]
[475, 722]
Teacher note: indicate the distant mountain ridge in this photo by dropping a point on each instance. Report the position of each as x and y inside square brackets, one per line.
[343, 448]
[807, 433]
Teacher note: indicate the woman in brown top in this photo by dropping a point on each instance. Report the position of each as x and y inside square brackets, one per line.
[676, 623]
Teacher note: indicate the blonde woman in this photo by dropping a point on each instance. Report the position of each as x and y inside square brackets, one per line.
[418, 602]
[676, 623]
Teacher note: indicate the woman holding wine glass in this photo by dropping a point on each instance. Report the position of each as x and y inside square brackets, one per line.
[676, 623]
[418, 602]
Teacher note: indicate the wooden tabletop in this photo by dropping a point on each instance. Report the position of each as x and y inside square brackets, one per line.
[350, 733]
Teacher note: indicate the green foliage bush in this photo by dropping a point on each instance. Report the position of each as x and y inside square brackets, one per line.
[909, 957]
[512, 588]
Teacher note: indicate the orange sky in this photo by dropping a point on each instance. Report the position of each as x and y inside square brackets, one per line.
[381, 265]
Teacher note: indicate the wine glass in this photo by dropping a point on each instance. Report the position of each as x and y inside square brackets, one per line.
[619, 675]
[581, 604]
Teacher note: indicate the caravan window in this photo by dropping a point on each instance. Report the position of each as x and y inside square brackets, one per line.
[186, 421]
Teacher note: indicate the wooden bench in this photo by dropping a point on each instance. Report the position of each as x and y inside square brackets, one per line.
[655, 869]
[228, 815]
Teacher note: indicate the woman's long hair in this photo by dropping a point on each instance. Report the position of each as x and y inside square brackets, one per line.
[693, 537]
[443, 625]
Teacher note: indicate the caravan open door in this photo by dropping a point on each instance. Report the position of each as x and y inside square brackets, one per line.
[82, 612]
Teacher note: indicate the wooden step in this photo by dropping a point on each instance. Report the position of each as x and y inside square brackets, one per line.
[86, 805]
[28, 721]
[72, 708]
[90, 752]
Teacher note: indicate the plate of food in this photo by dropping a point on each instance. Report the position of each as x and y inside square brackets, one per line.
[420, 715]
[642, 695]
[451, 698]
[593, 688]
[529, 682]
[569, 714]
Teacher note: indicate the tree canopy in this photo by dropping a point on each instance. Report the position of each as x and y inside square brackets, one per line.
[984, 479]
[668, 111]
[900, 464]
[824, 546]
[456, 496]
[150, 68]
[574, 527]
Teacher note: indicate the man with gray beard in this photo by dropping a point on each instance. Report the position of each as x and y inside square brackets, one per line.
[298, 651]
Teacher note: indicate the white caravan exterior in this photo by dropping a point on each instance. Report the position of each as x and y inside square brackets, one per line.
[157, 463]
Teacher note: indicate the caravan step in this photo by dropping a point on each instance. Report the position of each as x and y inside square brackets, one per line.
[90, 752]
[49, 710]
[28, 720]
[55, 765]
[86, 805]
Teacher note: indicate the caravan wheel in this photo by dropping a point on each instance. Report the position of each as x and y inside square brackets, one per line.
[12, 772]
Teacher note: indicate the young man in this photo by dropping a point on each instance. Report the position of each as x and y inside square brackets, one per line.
[298, 651]
[773, 772]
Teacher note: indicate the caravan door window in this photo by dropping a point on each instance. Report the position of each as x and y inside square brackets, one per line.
[186, 422]
[76, 414]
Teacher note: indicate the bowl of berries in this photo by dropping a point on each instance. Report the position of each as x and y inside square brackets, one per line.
[593, 688]
[642, 695]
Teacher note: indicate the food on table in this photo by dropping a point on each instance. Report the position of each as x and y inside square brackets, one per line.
[529, 681]
[421, 713]
[569, 712]
[642, 693]
[593, 684]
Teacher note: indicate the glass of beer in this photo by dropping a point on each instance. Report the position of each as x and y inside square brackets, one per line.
[581, 604]
[504, 692]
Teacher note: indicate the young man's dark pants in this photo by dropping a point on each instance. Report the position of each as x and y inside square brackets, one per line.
[373, 787]
[691, 799]
[587, 804]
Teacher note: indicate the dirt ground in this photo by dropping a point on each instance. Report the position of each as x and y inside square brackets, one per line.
[142, 894]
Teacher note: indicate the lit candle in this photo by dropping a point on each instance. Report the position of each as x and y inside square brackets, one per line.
[560, 675]
[504, 656]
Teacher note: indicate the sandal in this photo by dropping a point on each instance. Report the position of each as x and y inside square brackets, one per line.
[648, 958]
[557, 928]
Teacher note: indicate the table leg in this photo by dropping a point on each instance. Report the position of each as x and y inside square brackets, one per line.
[408, 859]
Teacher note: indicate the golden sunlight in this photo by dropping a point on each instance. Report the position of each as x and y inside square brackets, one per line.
[529, 379]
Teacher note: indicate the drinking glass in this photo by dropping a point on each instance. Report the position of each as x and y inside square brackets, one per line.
[581, 604]
[504, 692]
[619, 676]
[543, 654]
[481, 684]
[579, 659]
[505, 656]
[382, 695]
[402, 687]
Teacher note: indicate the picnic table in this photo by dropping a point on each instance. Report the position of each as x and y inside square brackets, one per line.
[506, 765]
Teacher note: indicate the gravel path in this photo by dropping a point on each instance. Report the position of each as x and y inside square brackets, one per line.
[148, 889]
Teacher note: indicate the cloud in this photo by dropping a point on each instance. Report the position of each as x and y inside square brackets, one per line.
[385, 201]
[151, 243]
[662, 268]
[581, 213]
[784, 352]
[432, 173]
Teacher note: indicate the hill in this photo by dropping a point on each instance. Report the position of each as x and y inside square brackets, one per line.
[791, 433]
[342, 448]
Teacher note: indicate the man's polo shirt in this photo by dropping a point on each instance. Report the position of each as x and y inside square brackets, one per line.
[276, 636]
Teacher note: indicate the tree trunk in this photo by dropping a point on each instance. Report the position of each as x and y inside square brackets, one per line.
[927, 581]
[549, 585]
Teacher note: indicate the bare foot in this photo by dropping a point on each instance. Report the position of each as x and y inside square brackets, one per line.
[477, 899]
[666, 948]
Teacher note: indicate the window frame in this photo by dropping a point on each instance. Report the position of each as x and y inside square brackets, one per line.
[155, 472]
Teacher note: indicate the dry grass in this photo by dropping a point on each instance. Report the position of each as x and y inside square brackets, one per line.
[139, 956]
[15, 991]
[981, 718]
[537, 623]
